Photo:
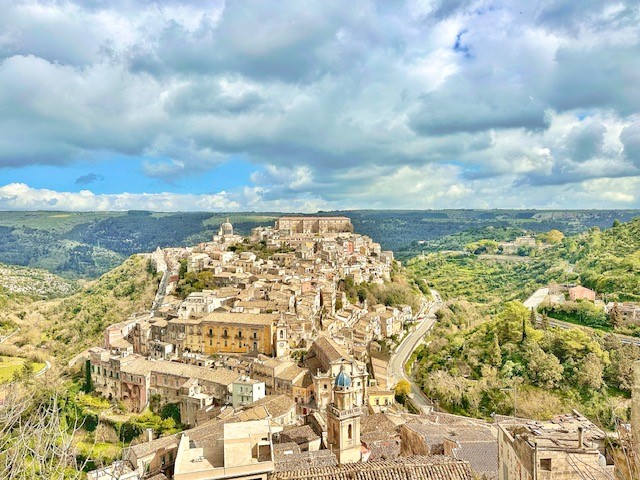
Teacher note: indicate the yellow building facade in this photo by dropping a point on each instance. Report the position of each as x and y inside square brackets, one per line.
[238, 333]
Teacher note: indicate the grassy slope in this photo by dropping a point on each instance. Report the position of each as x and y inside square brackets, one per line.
[9, 365]
[64, 327]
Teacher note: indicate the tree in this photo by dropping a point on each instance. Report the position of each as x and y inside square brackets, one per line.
[615, 316]
[402, 390]
[37, 439]
[88, 383]
[616, 223]
[543, 369]
[545, 322]
[495, 353]
[533, 317]
[554, 236]
[589, 373]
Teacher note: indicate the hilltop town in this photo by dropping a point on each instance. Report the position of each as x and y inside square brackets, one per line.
[277, 373]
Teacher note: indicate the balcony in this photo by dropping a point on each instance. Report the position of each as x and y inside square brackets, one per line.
[345, 413]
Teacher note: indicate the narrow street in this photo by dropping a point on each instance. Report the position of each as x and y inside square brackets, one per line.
[409, 344]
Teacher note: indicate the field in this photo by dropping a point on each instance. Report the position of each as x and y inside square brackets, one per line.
[10, 365]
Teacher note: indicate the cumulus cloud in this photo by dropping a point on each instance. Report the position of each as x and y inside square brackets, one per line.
[334, 106]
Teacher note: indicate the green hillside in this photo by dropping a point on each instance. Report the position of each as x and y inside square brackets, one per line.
[88, 244]
[478, 354]
[65, 326]
[608, 261]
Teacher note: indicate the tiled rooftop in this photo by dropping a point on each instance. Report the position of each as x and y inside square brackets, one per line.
[404, 468]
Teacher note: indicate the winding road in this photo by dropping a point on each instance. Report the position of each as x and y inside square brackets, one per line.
[409, 344]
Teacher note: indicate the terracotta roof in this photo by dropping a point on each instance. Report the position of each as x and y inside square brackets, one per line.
[299, 435]
[304, 461]
[276, 405]
[305, 381]
[482, 456]
[404, 468]
[280, 449]
[378, 422]
[147, 448]
[242, 318]
[291, 373]
[330, 348]
[142, 366]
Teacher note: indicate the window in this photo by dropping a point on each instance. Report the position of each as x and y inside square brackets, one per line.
[211, 332]
[211, 341]
[325, 386]
[239, 333]
[350, 432]
[255, 335]
[224, 334]
[225, 343]
[281, 333]
[545, 464]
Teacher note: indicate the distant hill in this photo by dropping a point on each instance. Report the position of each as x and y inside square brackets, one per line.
[87, 244]
[64, 326]
[33, 282]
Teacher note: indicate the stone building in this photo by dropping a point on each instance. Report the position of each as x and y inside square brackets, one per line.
[294, 225]
[568, 447]
[581, 293]
[343, 421]
[133, 380]
[325, 359]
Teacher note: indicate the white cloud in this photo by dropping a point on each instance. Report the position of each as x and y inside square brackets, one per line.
[426, 103]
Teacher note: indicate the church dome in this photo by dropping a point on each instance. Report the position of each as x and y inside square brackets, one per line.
[343, 380]
[226, 228]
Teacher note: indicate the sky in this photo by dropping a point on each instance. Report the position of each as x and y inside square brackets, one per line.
[302, 106]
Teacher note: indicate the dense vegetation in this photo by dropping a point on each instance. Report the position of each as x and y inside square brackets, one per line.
[476, 366]
[65, 326]
[89, 244]
[484, 355]
[489, 281]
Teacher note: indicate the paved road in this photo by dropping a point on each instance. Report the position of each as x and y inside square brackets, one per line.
[538, 297]
[409, 344]
[2, 339]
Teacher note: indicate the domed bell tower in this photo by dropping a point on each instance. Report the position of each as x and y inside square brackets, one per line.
[343, 421]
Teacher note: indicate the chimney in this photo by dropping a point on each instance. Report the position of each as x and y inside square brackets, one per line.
[149, 434]
[580, 436]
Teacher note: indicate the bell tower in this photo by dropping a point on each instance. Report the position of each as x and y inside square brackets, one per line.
[343, 421]
[281, 342]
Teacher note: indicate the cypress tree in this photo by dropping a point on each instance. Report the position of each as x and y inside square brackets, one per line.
[88, 383]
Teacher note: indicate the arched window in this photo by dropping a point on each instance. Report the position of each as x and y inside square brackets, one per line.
[224, 334]
[350, 432]
[239, 333]
[211, 332]
[281, 333]
[255, 335]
